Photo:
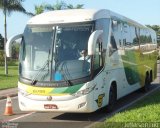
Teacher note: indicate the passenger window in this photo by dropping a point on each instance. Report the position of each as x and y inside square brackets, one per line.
[125, 28]
[114, 25]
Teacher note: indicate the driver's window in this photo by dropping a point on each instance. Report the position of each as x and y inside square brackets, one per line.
[97, 59]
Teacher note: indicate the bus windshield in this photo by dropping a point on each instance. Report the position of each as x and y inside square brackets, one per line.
[55, 53]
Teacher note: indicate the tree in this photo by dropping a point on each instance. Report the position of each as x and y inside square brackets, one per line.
[39, 9]
[15, 50]
[155, 28]
[78, 6]
[59, 5]
[1, 42]
[8, 6]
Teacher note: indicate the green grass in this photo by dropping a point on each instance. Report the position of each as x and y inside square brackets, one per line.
[11, 80]
[146, 110]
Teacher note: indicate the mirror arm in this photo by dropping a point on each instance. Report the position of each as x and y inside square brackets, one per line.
[92, 41]
[9, 44]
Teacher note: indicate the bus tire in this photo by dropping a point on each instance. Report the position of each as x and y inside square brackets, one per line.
[112, 98]
[151, 76]
[147, 83]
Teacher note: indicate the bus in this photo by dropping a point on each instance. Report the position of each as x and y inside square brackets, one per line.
[82, 60]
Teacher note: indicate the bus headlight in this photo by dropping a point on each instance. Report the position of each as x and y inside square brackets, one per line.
[84, 91]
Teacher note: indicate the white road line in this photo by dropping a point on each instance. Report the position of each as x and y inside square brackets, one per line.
[122, 108]
[11, 98]
[22, 116]
[25, 115]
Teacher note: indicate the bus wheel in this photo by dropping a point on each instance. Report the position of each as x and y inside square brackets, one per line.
[151, 77]
[112, 99]
[147, 83]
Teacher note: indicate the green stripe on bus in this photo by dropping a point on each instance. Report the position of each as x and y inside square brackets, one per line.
[70, 90]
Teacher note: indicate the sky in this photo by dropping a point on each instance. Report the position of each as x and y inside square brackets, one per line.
[145, 12]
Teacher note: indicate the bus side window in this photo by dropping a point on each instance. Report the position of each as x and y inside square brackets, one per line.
[113, 45]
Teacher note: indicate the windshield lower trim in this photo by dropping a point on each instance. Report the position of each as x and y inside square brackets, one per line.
[56, 84]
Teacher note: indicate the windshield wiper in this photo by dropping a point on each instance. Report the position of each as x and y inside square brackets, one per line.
[34, 80]
[46, 64]
[68, 81]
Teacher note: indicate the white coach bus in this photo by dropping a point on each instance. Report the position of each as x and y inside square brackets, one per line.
[82, 60]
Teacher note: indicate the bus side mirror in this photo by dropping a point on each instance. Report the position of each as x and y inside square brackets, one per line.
[9, 44]
[92, 41]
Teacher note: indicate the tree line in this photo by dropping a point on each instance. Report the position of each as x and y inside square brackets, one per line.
[157, 29]
[59, 5]
[9, 6]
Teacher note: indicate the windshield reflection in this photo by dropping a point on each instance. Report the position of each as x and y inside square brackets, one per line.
[35, 51]
[70, 42]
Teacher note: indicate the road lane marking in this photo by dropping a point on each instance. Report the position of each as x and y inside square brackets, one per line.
[19, 117]
[25, 115]
[16, 97]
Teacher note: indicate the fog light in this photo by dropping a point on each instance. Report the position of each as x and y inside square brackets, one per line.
[81, 105]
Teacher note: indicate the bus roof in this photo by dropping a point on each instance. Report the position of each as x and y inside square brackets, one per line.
[68, 16]
[76, 15]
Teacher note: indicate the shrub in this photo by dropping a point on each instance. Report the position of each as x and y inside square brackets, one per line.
[10, 61]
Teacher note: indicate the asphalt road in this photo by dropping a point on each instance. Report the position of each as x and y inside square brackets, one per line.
[65, 120]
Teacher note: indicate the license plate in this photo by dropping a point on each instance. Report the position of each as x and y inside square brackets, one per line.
[50, 106]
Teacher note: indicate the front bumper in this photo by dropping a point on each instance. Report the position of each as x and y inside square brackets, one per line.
[82, 104]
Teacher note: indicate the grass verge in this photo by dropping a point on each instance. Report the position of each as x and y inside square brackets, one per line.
[11, 80]
[145, 113]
